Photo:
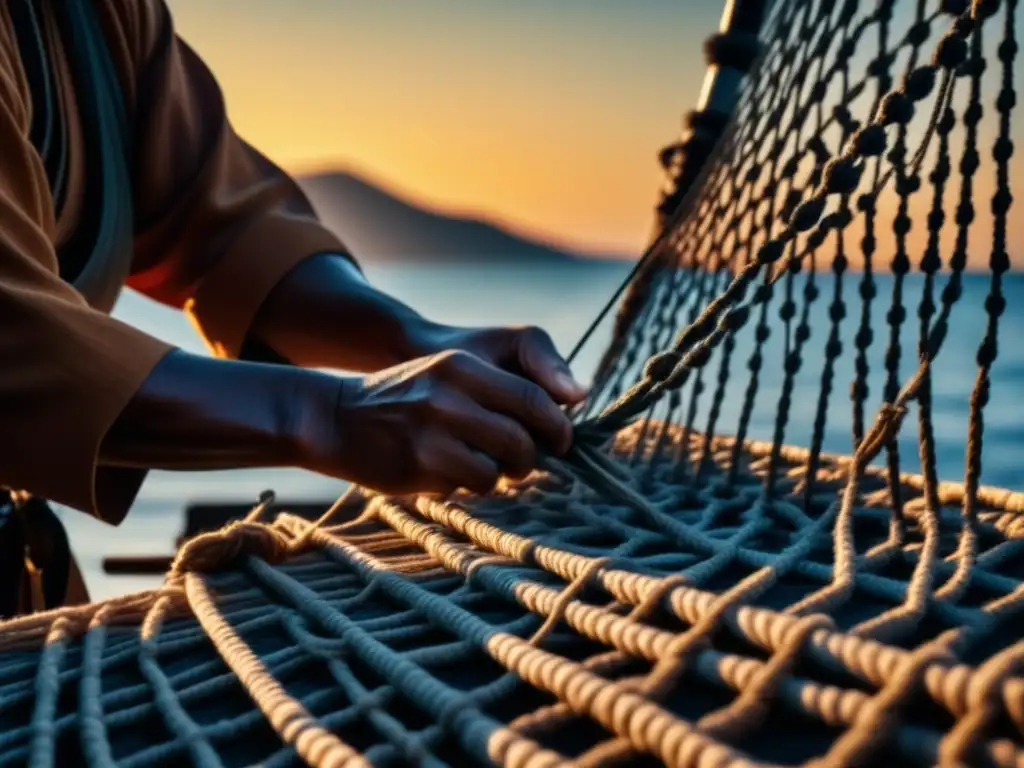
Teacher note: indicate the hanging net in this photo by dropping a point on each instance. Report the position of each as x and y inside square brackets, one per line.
[673, 591]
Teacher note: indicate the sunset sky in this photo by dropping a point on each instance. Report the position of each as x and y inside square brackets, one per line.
[547, 115]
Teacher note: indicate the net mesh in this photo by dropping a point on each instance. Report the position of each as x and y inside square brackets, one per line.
[663, 594]
[862, 120]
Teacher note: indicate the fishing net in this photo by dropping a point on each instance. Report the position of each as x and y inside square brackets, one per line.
[672, 591]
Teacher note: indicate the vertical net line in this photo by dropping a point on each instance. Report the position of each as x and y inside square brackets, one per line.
[722, 267]
[715, 237]
[859, 388]
[781, 79]
[792, 358]
[747, 219]
[905, 186]
[837, 308]
[693, 279]
[999, 264]
[931, 263]
[714, 271]
[764, 292]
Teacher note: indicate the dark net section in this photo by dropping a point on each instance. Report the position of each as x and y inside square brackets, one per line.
[545, 625]
[850, 227]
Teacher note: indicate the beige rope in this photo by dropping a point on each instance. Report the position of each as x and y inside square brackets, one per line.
[293, 722]
[452, 540]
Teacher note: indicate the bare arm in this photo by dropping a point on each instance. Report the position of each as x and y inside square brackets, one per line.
[325, 314]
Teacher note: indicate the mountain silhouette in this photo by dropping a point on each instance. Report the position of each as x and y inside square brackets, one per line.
[380, 226]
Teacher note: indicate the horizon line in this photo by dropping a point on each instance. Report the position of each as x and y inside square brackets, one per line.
[481, 214]
[537, 236]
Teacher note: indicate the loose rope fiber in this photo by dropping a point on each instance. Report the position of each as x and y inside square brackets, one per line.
[664, 594]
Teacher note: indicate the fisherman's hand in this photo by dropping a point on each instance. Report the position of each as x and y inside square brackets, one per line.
[523, 351]
[453, 419]
[325, 314]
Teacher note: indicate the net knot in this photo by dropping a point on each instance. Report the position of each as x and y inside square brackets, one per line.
[983, 9]
[1002, 151]
[842, 175]
[920, 82]
[807, 213]
[219, 550]
[660, 366]
[951, 52]
[887, 425]
[735, 318]
[771, 251]
[870, 141]
[896, 109]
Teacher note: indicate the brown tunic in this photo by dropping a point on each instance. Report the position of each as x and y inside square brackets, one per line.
[216, 225]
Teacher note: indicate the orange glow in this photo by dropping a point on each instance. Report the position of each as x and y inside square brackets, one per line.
[545, 116]
[555, 132]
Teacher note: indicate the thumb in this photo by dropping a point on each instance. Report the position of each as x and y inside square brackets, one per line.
[541, 362]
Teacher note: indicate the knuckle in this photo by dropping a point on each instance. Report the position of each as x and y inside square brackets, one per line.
[438, 404]
[531, 339]
[519, 447]
[534, 399]
[535, 337]
[453, 361]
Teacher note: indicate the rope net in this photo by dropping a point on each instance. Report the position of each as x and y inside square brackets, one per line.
[665, 594]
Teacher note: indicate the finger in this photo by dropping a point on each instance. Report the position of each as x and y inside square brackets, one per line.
[466, 468]
[514, 396]
[541, 362]
[497, 435]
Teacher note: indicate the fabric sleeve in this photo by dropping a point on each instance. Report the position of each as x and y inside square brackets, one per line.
[218, 224]
[66, 371]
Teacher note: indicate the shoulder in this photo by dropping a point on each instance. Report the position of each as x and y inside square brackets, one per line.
[135, 31]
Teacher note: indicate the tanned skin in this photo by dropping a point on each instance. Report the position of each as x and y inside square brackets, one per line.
[438, 407]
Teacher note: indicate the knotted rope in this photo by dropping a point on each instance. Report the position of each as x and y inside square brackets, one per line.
[662, 590]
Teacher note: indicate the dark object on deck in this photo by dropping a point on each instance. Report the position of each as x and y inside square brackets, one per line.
[144, 565]
[37, 569]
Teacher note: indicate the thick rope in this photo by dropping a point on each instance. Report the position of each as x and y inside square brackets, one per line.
[659, 591]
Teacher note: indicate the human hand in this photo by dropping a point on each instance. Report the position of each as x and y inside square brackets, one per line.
[449, 420]
[523, 351]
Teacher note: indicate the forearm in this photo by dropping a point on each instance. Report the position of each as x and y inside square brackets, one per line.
[199, 413]
[325, 314]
